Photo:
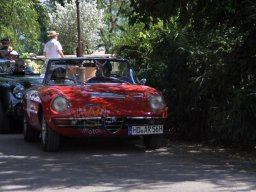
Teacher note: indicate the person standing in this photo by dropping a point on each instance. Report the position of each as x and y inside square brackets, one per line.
[53, 48]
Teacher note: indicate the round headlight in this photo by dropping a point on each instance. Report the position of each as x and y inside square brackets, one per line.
[156, 102]
[60, 104]
[18, 91]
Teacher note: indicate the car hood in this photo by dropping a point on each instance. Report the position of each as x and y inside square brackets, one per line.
[105, 99]
[26, 81]
[110, 91]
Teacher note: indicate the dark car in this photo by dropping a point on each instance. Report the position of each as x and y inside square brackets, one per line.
[15, 77]
[92, 97]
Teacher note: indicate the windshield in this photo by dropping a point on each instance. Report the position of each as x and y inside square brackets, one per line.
[89, 70]
[29, 66]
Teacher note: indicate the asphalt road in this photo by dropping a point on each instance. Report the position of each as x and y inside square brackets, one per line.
[122, 166]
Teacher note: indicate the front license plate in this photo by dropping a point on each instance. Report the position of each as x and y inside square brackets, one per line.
[145, 130]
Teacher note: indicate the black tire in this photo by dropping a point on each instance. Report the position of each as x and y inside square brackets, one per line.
[29, 133]
[50, 140]
[153, 141]
[4, 121]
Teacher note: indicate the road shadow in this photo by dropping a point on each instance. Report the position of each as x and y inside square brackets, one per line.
[119, 166]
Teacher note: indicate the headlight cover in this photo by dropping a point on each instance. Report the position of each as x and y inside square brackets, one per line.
[156, 102]
[18, 91]
[60, 104]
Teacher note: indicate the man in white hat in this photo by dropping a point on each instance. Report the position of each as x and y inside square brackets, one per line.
[53, 48]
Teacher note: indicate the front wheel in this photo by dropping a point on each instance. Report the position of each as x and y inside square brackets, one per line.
[4, 120]
[50, 140]
[153, 141]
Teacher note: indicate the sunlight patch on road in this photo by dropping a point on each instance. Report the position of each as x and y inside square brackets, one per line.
[114, 155]
[160, 151]
[18, 157]
[119, 155]
[13, 187]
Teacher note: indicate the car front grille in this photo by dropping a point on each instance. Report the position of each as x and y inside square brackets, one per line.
[111, 124]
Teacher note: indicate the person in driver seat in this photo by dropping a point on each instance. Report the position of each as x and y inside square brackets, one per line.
[103, 72]
[106, 69]
[58, 75]
[19, 68]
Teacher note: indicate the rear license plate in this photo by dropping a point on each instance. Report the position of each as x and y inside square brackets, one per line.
[145, 130]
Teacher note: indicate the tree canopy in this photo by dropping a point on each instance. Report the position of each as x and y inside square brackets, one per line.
[209, 50]
[63, 19]
[19, 22]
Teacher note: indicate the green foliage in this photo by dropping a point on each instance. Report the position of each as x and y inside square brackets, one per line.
[43, 21]
[19, 22]
[136, 43]
[53, 2]
[206, 50]
[151, 11]
[114, 18]
[24, 55]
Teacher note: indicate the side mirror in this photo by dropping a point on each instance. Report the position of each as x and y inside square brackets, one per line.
[143, 81]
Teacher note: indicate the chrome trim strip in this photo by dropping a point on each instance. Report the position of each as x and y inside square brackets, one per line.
[72, 118]
[104, 95]
[145, 118]
[98, 118]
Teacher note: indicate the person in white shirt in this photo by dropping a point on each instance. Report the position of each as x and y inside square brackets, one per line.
[53, 48]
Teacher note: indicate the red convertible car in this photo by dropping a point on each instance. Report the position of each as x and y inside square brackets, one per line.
[92, 97]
